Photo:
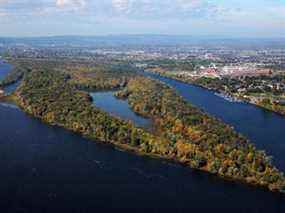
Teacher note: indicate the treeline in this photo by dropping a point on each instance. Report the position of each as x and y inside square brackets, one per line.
[199, 140]
[100, 77]
[177, 65]
[24, 66]
[84, 75]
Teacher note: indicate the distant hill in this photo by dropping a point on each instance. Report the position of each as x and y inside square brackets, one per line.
[114, 40]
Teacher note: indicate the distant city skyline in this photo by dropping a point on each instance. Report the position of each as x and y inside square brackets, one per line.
[254, 18]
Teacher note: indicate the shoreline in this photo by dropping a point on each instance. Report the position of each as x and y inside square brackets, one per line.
[219, 93]
[136, 151]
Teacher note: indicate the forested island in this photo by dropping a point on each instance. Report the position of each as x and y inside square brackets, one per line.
[58, 95]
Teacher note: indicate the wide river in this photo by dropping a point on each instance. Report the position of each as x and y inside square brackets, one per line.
[264, 128]
[49, 169]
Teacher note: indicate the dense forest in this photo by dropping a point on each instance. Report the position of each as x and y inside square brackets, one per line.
[172, 65]
[184, 133]
[199, 140]
[100, 77]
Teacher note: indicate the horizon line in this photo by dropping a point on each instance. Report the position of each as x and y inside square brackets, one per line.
[144, 34]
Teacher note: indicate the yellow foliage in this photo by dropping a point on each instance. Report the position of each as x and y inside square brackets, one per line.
[50, 117]
[249, 157]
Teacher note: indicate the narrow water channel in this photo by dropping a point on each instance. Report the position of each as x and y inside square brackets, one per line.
[120, 108]
[4, 69]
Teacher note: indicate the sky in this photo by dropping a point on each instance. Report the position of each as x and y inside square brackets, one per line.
[235, 18]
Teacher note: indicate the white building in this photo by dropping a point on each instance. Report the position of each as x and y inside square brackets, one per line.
[1, 92]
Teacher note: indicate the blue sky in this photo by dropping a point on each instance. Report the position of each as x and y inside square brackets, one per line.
[246, 18]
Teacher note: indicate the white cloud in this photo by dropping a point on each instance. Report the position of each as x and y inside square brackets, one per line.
[4, 1]
[75, 4]
[189, 4]
[121, 5]
[153, 9]
[133, 9]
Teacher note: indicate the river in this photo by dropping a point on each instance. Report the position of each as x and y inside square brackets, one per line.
[262, 127]
[49, 169]
[4, 69]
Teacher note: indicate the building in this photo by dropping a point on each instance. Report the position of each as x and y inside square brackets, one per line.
[209, 72]
[2, 92]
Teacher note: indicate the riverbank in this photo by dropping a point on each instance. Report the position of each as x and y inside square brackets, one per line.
[50, 97]
[226, 95]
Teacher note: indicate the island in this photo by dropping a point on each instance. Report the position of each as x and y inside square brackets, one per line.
[59, 95]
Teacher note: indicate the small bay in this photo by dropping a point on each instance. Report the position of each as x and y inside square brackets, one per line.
[119, 108]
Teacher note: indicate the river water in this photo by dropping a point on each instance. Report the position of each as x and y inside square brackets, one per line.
[120, 108]
[49, 169]
[4, 69]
